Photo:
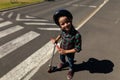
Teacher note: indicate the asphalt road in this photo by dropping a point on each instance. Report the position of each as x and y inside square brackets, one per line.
[25, 47]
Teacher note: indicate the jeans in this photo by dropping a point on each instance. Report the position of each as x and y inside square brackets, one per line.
[70, 58]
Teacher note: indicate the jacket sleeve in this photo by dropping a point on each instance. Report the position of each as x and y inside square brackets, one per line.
[78, 42]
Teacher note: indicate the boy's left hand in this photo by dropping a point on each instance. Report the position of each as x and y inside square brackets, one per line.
[60, 50]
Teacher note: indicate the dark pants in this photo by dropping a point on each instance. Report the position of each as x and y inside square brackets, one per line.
[70, 58]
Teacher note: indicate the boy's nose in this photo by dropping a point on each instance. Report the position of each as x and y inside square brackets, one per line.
[65, 25]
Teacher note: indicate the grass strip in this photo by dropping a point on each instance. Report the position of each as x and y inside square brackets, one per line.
[9, 4]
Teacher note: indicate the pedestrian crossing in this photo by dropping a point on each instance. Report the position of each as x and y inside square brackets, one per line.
[29, 65]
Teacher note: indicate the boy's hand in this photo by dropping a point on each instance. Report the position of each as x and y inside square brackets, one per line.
[53, 40]
[60, 50]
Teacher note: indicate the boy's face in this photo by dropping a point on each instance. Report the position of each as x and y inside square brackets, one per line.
[64, 23]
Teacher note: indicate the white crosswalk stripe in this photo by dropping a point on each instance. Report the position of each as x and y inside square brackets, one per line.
[51, 29]
[5, 23]
[18, 18]
[28, 23]
[10, 30]
[16, 43]
[10, 15]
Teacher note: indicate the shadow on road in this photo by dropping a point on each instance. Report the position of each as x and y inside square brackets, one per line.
[95, 66]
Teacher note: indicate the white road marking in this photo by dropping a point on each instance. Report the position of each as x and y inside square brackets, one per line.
[83, 5]
[92, 14]
[29, 16]
[91, 6]
[19, 19]
[10, 30]
[54, 29]
[27, 23]
[10, 15]
[16, 43]
[5, 23]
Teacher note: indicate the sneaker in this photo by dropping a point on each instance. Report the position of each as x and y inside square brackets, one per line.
[70, 75]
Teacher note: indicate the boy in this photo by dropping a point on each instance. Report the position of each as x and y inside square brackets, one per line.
[70, 40]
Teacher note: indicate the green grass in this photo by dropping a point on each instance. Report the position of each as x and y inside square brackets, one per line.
[8, 4]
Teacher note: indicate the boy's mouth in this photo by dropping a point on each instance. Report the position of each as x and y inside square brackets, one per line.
[66, 29]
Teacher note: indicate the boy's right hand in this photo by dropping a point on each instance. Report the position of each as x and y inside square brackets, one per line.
[53, 40]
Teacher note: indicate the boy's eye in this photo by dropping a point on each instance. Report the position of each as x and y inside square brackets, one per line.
[62, 23]
[66, 22]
